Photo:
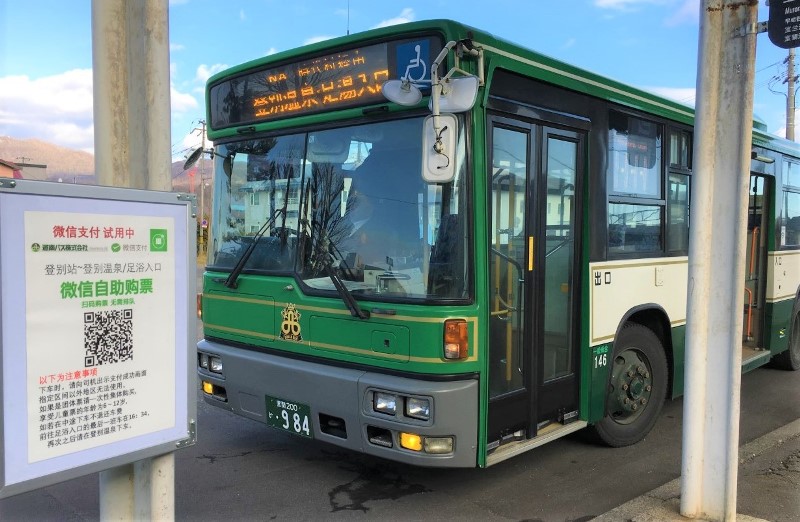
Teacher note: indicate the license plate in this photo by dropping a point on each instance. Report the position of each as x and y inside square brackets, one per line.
[293, 417]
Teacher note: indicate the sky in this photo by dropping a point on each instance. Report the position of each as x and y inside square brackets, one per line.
[46, 50]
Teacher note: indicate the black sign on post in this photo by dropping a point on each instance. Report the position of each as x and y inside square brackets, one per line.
[784, 23]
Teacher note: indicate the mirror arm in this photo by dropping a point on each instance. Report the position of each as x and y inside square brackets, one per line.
[436, 86]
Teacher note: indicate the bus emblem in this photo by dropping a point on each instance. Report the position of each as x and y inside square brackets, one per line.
[290, 327]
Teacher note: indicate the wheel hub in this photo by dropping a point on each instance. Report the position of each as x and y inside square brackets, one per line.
[632, 385]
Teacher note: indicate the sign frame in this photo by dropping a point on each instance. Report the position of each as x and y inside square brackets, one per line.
[153, 426]
[783, 26]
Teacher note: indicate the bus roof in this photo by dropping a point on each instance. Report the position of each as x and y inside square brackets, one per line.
[501, 53]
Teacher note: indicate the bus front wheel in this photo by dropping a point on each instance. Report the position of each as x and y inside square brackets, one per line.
[637, 388]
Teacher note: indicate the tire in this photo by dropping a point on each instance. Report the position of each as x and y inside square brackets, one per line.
[790, 359]
[637, 387]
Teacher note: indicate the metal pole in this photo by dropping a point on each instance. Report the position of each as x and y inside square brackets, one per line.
[722, 152]
[130, 52]
[202, 187]
[109, 69]
[790, 96]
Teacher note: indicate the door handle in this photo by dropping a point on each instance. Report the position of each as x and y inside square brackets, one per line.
[530, 253]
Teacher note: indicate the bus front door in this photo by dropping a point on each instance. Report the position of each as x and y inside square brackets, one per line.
[533, 278]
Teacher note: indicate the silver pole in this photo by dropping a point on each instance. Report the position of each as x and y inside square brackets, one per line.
[130, 52]
[790, 95]
[109, 69]
[722, 151]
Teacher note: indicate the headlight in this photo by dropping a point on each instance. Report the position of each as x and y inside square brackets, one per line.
[215, 364]
[418, 408]
[384, 403]
[204, 361]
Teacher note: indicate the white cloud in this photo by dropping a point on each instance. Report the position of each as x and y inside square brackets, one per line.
[57, 109]
[624, 5]
[569, 43]
[315, 39]
[176, 47]
[194, 140]
[405, 16]
[683, 11]
[204, 72]
[181, 102]
[271, 50]
[688, 12]
[686, 95]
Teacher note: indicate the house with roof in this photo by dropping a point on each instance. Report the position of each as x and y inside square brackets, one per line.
[10, 170]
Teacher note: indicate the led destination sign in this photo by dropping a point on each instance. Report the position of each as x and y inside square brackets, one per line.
[344, 79]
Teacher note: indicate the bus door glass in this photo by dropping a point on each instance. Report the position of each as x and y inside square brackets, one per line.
[557, 393]
[507, 377]
[755, 270]
[532, 276]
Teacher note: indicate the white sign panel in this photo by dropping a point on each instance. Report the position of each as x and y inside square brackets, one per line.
[95, 331]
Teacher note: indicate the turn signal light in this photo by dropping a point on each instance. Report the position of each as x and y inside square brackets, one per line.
[411, 441]
[456, 345]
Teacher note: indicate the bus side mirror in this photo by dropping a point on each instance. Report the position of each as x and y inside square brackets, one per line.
[439, 148]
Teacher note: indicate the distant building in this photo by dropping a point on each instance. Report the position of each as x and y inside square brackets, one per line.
[33, 171]
[10, 170]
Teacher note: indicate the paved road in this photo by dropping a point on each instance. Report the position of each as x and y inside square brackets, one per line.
[241, 470]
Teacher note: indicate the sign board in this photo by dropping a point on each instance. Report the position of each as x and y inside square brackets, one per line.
[96, 329]
[344, 79]
[783, 27]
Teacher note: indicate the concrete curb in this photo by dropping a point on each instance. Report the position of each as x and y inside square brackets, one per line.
[663, 503]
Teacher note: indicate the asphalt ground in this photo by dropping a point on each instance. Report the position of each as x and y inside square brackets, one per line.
[768, 485]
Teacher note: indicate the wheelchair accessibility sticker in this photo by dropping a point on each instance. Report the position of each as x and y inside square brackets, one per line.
[412, 61]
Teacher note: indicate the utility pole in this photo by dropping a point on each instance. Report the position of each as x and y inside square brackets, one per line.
[790, 95]
[130, 62]
[203, 222]
[717, 242]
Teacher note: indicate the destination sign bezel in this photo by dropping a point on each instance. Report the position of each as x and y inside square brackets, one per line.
[337, 80]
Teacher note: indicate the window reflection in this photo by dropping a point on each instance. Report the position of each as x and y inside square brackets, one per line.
[634, 228]
[634, 156]
[350, 198]
[791, 219]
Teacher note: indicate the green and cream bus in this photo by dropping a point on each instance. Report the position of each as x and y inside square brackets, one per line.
[434, 246]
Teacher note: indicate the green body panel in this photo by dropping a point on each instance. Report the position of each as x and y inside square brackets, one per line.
[678, 360]
[777, 315]
[595, 377]
[262, 312]
[478, 137]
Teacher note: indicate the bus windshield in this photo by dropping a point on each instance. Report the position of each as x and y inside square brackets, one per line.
[350, 199]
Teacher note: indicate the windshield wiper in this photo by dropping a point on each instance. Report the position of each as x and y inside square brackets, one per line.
[327, 262]
[345, 294]
[230, 282]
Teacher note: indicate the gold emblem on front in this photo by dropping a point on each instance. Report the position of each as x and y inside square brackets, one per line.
[290, 327]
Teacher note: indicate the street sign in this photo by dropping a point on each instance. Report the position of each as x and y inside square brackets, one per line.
[96, 330]
[784, 23]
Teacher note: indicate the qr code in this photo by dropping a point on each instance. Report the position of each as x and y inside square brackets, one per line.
[108, 337]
